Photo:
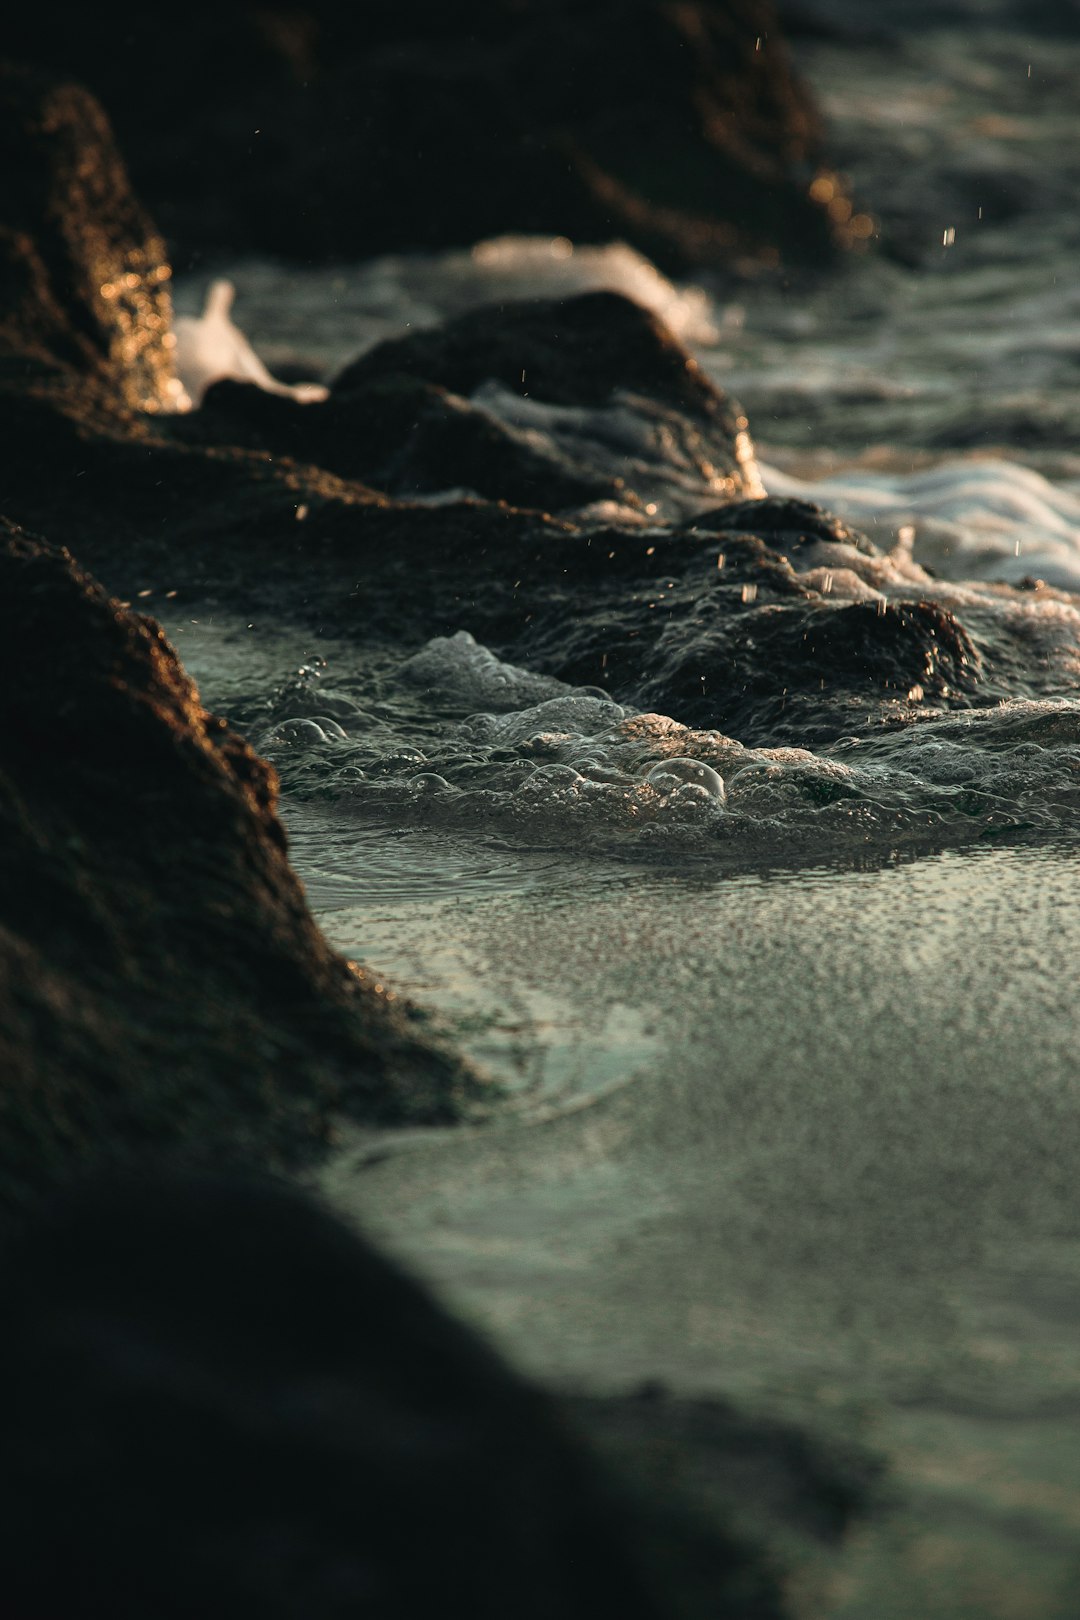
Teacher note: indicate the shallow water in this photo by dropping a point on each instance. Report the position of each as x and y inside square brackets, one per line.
[793, 1105]
[838, 1179]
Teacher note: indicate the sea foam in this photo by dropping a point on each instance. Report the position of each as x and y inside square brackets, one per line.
[985, 519]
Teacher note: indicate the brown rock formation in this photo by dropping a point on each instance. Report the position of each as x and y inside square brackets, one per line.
[83, 273]
[161, 979]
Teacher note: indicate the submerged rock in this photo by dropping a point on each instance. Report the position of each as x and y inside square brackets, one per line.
[161, 979]
[324, 132]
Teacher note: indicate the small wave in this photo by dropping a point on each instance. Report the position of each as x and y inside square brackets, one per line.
[578, 772]
[965, 519]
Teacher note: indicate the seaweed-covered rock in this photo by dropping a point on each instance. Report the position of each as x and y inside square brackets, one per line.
[83, 273]
[161, 979]
[216, 1399]
[330, 132]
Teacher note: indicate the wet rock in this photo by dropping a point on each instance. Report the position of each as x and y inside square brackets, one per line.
[804, 673]
[83, 274]
[401, 417]
[161, 979]
[403, 435]
[591, 352]
[897, 645]
[573, 351]
[789, 524]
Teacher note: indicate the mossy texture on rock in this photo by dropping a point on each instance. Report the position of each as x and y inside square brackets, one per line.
[161, 979]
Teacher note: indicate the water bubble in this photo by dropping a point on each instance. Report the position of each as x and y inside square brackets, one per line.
[559, 776]
[329, 727]
[300, 731]
[668, 775]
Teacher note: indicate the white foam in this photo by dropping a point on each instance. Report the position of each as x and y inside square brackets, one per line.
[969, 519]
[325, 317]
[210, 348]
[630, 440]
[579, 772]
[530, 267]
[576, 716]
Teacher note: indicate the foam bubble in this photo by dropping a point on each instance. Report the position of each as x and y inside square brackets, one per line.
[314, 730]
[673, 774]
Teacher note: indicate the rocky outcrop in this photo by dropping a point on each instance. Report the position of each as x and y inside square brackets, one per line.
[161, 979]
[333, 133]
[83, 273]
[406, 436]
[434, 410]
[216, 1399]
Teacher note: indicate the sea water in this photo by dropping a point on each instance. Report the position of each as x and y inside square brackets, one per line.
[786, 1036]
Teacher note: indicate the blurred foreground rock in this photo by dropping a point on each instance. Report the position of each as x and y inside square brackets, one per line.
[217, 1400]
[325, 131]
[162, 982]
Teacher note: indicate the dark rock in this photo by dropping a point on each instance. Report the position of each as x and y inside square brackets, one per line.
[573, 351]
[161, 979]
[807, 672]
[405, 436]
[790, 524]
[325, 132]
[83, 274]
[896, 645]
[217, 1400]
[400, 417]
[590, 351]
